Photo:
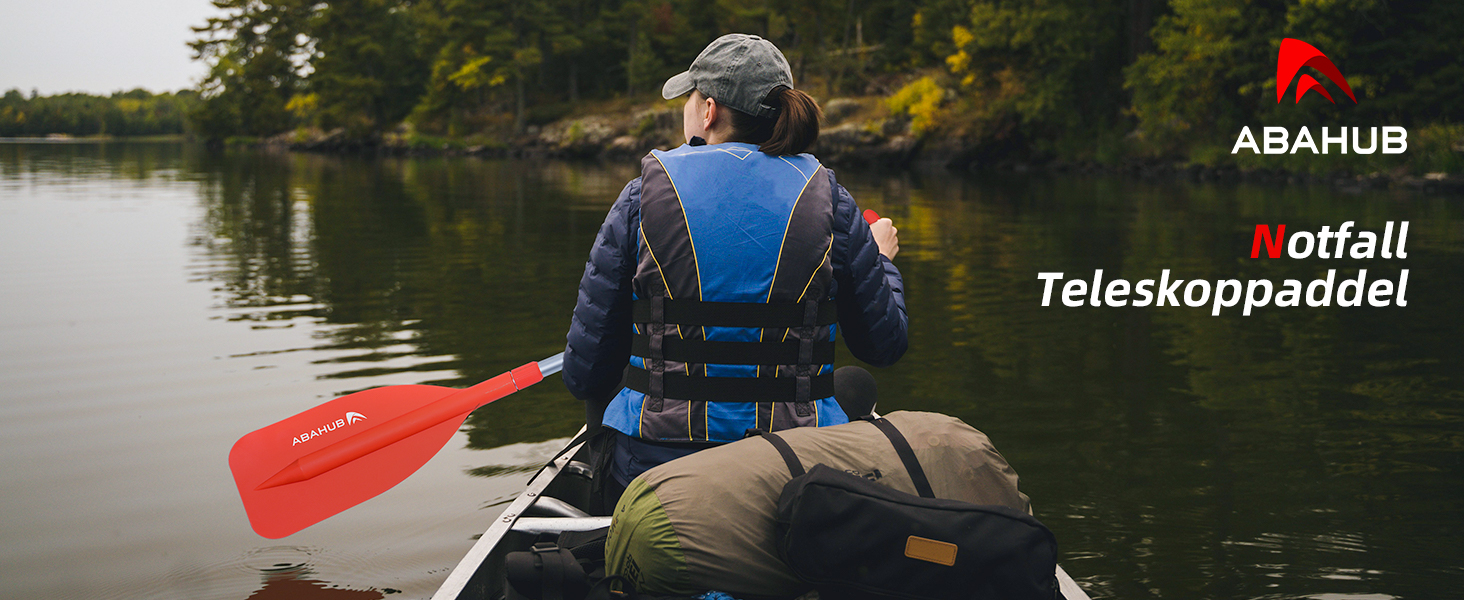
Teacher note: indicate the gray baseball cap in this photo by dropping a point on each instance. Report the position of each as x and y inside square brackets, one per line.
[737, 70]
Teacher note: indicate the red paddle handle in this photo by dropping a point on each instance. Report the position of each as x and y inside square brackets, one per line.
[870, 216]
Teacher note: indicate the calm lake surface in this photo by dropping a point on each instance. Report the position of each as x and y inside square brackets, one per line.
[162, 300]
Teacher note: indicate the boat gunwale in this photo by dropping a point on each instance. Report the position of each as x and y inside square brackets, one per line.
[452, 588]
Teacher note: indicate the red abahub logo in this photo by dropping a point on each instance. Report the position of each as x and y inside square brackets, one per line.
[1293, 55]
[1296, 54]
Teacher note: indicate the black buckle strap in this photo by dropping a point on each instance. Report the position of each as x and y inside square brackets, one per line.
[906, 453]
[733, 314]
[897, 439]
[804, 370]
[655, 387]
[730, 389]
[791, 458]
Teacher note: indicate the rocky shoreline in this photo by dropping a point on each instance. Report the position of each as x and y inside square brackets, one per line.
[856, 134]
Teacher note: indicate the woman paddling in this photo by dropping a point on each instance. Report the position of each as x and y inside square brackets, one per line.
[712, 295]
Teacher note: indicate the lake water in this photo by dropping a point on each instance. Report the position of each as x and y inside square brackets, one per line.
[162, 300]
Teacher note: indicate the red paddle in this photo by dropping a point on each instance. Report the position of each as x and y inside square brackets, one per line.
[304, 469]
[870, 216]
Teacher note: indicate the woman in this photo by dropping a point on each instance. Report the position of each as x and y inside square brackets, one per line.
[712, 295]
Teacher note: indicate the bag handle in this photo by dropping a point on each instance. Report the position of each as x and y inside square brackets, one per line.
[789, 457]
[906, 453]
[897, 439]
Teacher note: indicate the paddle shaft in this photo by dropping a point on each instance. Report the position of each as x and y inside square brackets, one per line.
[402, 427]
[395, 430]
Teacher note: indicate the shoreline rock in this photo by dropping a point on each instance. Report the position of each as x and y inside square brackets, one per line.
[846, 141]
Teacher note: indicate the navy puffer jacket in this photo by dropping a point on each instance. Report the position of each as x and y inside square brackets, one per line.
[867, 287]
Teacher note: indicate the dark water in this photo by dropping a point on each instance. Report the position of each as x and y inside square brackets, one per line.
[160, 301]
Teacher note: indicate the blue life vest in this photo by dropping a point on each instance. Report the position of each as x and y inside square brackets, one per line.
[734, 324]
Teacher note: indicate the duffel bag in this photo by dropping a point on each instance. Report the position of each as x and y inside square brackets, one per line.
[708, 521]
[854, 539]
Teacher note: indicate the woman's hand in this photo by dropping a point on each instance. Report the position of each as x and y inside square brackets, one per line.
[885, 237]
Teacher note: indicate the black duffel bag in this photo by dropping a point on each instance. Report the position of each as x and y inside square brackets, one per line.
[852, 538]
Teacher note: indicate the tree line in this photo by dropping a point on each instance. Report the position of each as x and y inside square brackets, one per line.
[1071, 79]
[1055, 77]
[134, 113]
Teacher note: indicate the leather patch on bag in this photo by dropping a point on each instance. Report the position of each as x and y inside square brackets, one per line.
[928, 550]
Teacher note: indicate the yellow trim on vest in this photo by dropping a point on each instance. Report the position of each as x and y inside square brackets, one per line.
[691, 241]
[651, 250]
[806, 177]
[641, 416]
[806, 181]
[743, 157]
[786, 226]
[815, 269]
[685, 220]
[810, 279]
[660, 272]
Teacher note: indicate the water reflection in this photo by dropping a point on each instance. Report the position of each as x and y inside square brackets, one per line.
[1150, 437]
[297, 587]
[1187, 431]
[292, 573]
[1295, 453]
[1157, 428]
[450, 270]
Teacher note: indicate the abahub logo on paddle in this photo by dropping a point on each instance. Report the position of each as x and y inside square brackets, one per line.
[351, 418]
[1293, 55]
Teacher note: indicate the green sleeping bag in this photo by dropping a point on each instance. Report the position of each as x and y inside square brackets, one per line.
[708, 521]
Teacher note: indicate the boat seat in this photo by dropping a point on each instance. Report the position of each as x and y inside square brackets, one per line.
[547, 506]
[556, 525]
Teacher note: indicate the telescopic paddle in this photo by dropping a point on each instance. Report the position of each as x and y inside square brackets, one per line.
[304, 469]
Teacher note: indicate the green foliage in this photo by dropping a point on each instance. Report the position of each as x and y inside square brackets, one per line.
[367, 74]
[1019, 79]
[1209, 74]
[1036, 77]
[1438, 148]
[257, 55]
[135, 113]
[455, 67]
[921, 101]
[1213, 69]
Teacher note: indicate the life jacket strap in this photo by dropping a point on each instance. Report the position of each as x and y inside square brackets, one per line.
[803, 398]
[730, 389]
[733, 314]
[791, 352]
[655, 385]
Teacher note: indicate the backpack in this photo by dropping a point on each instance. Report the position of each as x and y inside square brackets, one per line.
[854, 539]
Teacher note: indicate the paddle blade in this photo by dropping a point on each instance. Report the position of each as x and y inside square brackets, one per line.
[279, 511]
[870, 216]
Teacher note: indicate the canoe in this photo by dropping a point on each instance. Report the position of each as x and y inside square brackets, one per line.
[553, 502]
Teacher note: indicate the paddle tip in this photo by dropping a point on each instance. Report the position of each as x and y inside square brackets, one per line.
[870, 216]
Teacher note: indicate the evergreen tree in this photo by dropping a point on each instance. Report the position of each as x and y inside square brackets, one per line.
[367, 72]
[257, 55]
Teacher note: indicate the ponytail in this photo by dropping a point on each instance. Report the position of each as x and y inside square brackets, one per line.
[797, 125]
[792, 131]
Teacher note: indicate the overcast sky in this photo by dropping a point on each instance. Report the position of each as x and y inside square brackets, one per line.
[99, 46]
